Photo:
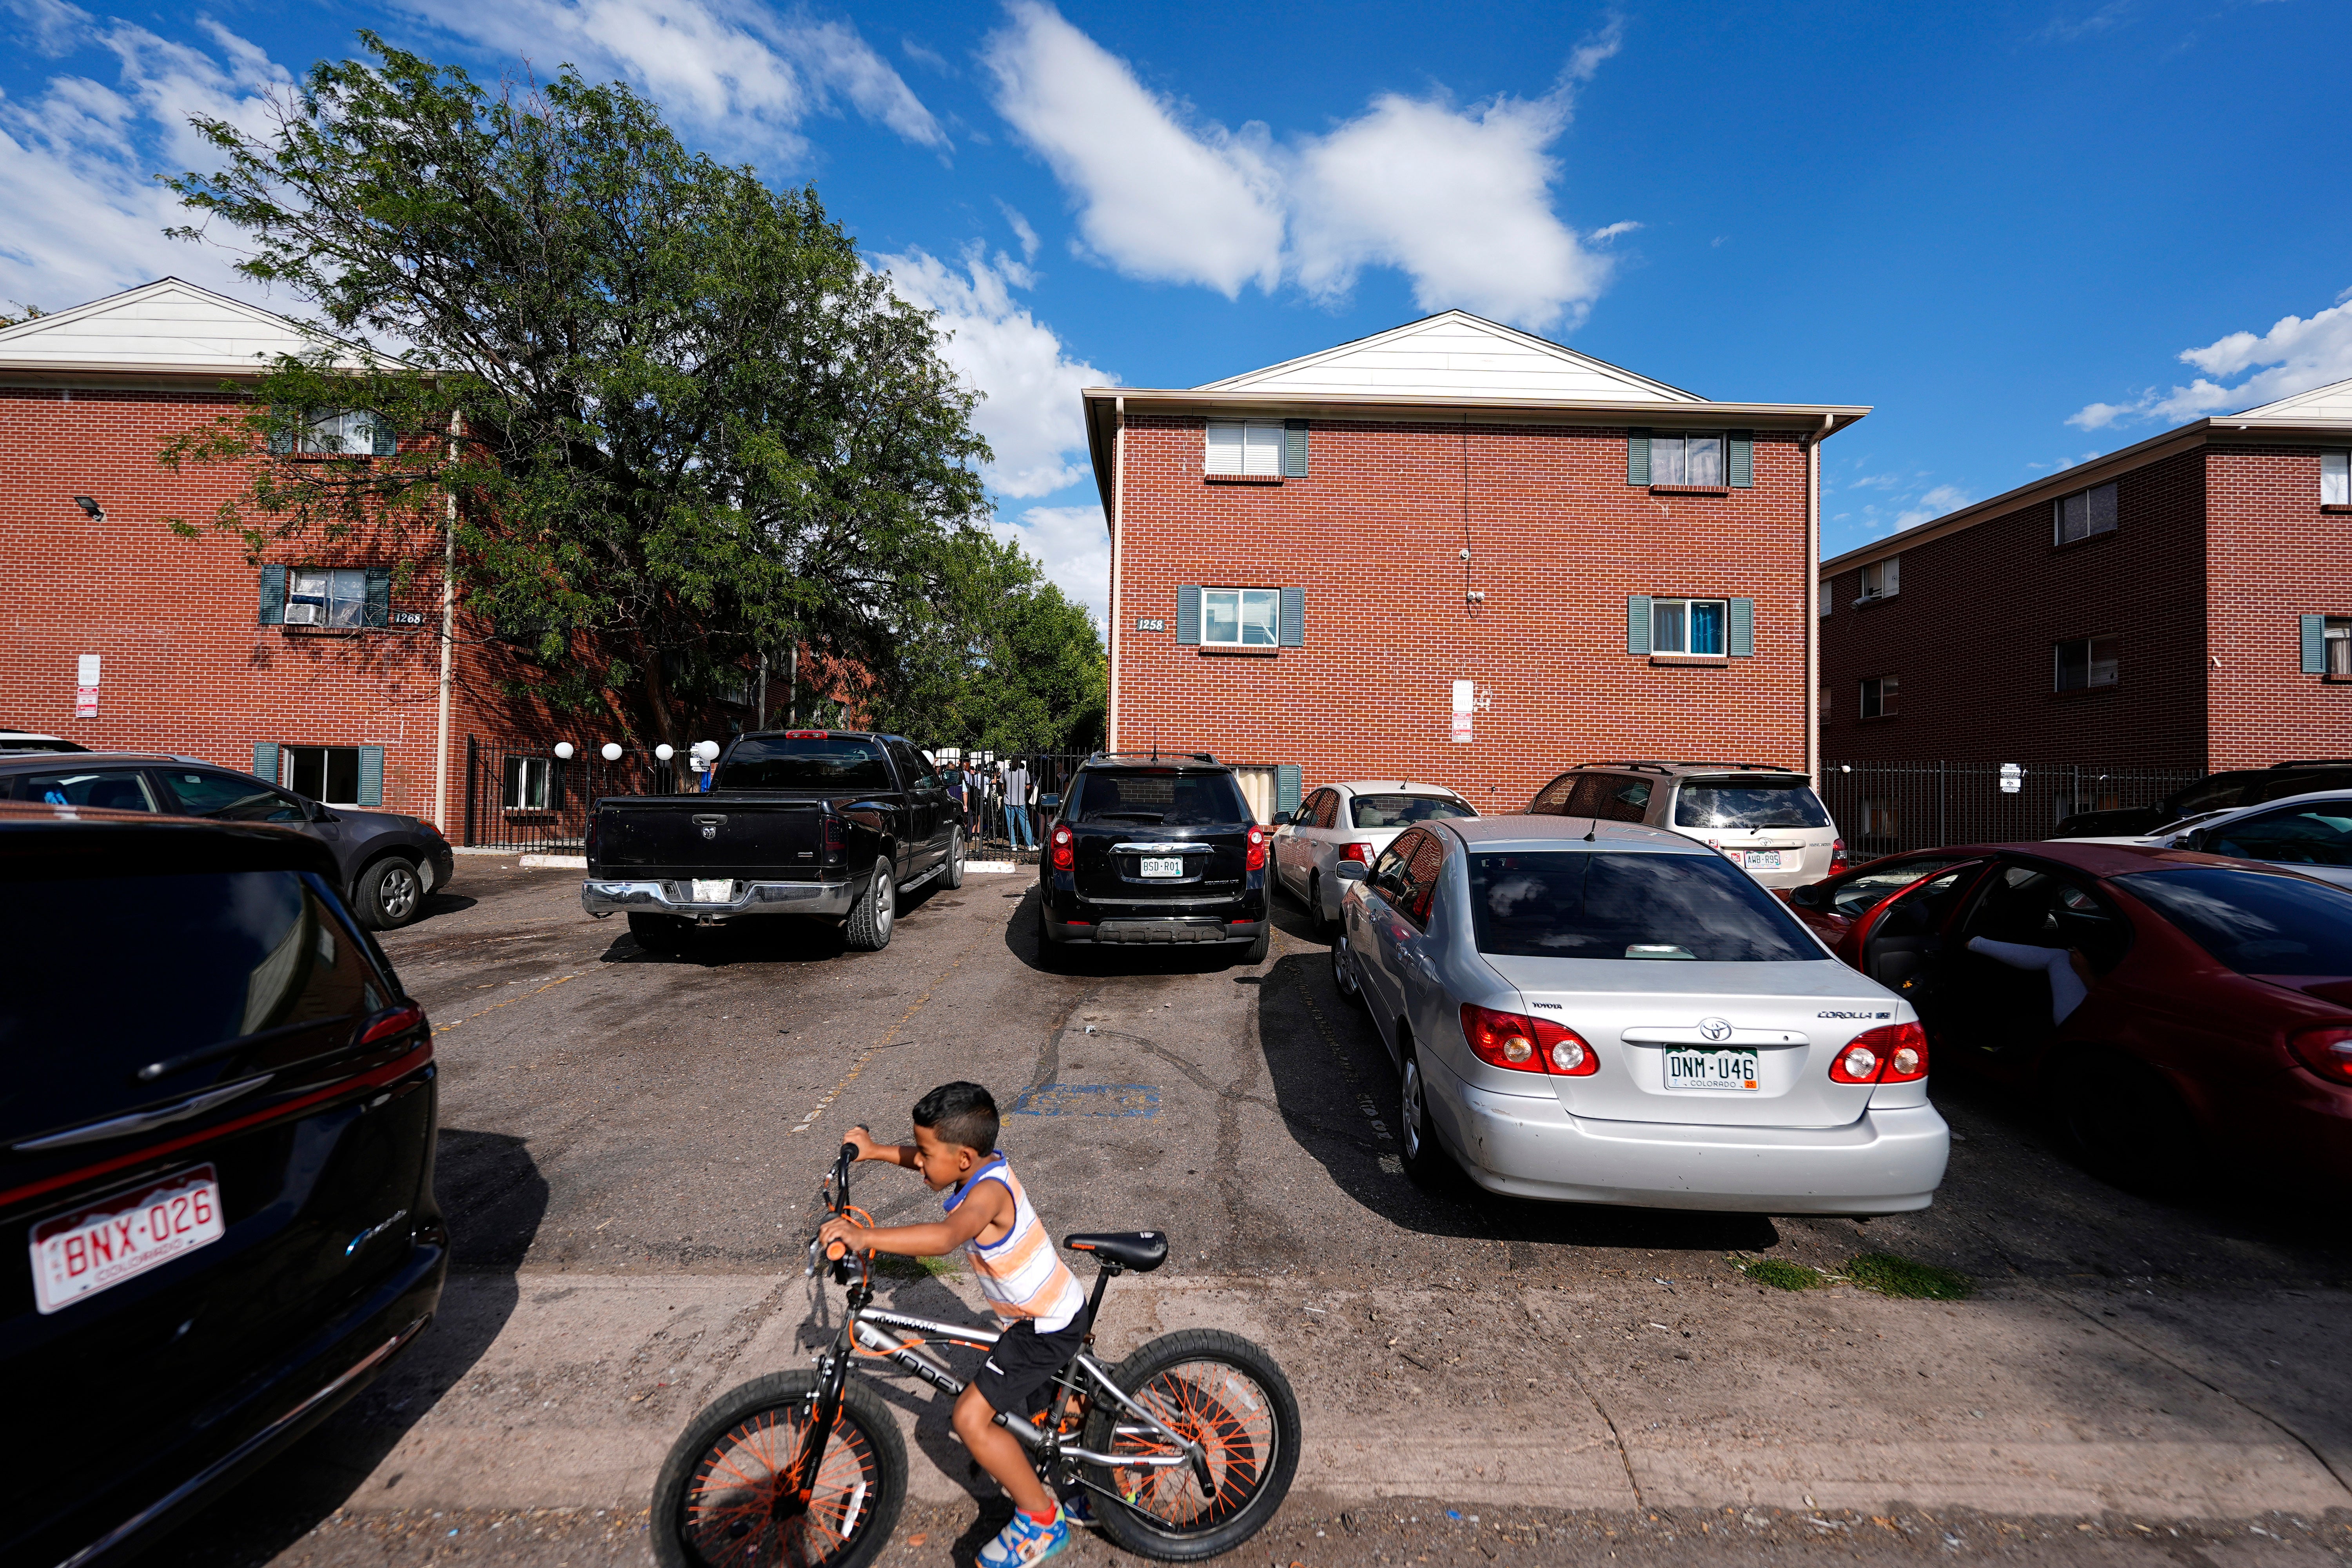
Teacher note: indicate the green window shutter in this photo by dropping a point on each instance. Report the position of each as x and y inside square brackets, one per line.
[370, 775]
[1287, 779]
[1739, 641]
[2314, 645]
[273, 595]
[1637, 460]
[385, 440]
[265, 761]
[1294, 617]
[378, 612]
[1294, 449]
[1742, 466]
[1188, 615]
[1637, 624]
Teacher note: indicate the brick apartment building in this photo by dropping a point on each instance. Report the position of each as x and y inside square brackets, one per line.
[328, 671]
[1457, 552]
[2183, 604]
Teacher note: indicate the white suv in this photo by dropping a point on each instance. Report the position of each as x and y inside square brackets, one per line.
[1766, 820]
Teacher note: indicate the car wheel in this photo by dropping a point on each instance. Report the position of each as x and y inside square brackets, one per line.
[877, 911]
[1255, 951]
[2124, 1124]
[1424, 1161]
[391, 893]
[1343, 972]
[1053, 957]
[659, 933]
[1319, 924]
[953, 877]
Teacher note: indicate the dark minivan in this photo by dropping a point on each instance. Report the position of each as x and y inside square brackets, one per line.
[218, 1121]
[1153, 849]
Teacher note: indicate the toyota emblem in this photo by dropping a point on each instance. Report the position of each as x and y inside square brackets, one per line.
[1713, 1029]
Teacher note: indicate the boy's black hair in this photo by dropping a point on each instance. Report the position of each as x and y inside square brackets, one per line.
[961, 1114]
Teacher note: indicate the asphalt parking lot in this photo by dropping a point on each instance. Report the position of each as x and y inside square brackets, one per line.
[630, 1144]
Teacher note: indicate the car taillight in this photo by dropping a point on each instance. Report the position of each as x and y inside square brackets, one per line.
[1361, 854]
[805, 734]
[1892, 1053]
[1837, 857]
[1256, 861]
[1522, 1044]
[830, 845]
[588, 841]
[2327, 1052]
[1065, 847]
[399, 1021]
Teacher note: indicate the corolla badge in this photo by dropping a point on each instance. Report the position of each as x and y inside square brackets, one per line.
[1713, 1029]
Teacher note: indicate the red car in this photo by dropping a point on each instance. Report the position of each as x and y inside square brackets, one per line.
[2172, 1007]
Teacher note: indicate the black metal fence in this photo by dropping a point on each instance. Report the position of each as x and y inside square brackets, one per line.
[988, 817]
[525, 797]
[1885, 809]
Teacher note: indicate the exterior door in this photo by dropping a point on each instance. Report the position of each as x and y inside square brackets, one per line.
[1380, 959]
[923, 842]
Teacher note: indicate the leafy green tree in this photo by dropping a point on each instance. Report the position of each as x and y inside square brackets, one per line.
[682, 421]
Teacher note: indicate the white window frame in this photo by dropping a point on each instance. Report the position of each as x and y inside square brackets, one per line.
[2335, 478]
[334, 597]
[2092, 663]
[1243, 449]
[337, 432]
[2095, 514]
[287, 765]
[1881, 580]
[1242, 599]
[1682, 606]
[529, 784]
[2337, 641]
[1680, 459]
[1874, 691]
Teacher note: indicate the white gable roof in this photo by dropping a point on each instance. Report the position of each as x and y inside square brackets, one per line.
[2320, 405]
[1455, 355]
[166, 325]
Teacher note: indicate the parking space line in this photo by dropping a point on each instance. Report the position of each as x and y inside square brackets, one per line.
[890, 1036]
[445, 1028]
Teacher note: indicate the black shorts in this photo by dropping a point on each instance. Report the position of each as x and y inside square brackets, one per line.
[1017, 1377]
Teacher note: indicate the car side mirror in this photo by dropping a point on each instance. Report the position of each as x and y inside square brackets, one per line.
[1281, 820]
[1351, 870]
[1808, 897]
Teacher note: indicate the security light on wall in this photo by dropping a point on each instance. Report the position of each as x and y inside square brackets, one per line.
[95, 511]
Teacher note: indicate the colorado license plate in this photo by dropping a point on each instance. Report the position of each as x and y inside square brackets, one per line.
[1763, 859]
[1711, 1070]
[81, 1254]
[1163, 866]
[713, 892]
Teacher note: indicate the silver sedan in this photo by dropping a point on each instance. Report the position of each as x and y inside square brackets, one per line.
[1591, 1012]
[1349, 822]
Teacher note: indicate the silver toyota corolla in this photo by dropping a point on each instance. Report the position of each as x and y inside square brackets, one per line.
[1594, 1012]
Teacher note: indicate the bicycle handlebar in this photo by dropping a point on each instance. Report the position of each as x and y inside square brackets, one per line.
[837, 1195]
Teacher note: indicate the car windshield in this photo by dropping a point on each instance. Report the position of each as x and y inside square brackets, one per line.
[1405, 810]
[1594, 904]
[2256, 922]
[803, 762]
[1748, 802]
[1162, 796]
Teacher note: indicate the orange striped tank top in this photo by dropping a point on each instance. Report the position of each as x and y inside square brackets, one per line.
[1021, 1274]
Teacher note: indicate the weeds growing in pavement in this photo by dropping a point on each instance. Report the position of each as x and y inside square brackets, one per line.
[1891, 1276]
[1779, 1273]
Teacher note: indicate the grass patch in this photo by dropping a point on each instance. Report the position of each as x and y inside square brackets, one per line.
[1891, 1276]
[1779, 1273]
[890, 1266]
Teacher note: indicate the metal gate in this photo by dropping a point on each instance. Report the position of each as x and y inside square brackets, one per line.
[1886, 808]
[524, 797]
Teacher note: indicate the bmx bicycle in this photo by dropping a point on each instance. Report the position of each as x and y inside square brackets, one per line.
[1185, 1449]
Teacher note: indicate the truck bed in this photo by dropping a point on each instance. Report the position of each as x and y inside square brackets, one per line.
[737, 835]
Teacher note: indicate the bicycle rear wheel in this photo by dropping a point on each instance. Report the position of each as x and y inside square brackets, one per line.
[715, 1504]
[1216, 1389]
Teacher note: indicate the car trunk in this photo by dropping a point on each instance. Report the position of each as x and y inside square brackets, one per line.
[670, 837]
[1776, 829]
[1114, 857]
[1796, 1017]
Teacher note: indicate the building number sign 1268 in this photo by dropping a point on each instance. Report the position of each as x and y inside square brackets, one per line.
[1149, 624]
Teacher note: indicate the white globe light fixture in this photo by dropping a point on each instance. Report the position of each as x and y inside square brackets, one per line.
[563, 750]
[665, 751]
[612, 752]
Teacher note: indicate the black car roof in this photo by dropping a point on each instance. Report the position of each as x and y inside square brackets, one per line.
[39, 840]
[1185, 762]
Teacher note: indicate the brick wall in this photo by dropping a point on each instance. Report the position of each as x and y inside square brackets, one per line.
[1971, 635]
[2273, 556]
[1558, 540]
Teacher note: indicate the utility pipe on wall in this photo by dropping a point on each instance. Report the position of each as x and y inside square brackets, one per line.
[1118, 510]
[1813, 598]
[448, 635]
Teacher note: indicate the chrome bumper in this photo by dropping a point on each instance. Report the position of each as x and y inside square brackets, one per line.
[599, 896]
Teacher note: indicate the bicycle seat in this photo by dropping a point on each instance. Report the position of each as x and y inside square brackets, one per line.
[1141, 1250]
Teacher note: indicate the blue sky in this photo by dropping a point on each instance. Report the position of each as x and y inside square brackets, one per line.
[2027, 233]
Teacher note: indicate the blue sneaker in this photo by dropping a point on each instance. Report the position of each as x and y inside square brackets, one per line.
[1076, 1509]
[1024, 1541]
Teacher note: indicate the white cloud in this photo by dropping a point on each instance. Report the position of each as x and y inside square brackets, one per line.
[1073, 545]
[1603, 236]
[735, 71]
[1031, 413]
[2302, 352]
[1020, 229]
[1934, 504]
[1458, 198]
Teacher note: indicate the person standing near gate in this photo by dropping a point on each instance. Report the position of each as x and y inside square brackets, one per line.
[1016, 806]
[953, 779]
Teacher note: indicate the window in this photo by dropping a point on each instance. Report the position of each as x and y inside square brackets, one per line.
[109, 789]
[1692, 457]
[2256, 922]
[338, 432]
[1405, 810]
[1882, 696]
[316, 598]
[1584, 904]
[1748, 802]
[1159, 797]
[2302, 835]
[1609, 797]
[1241, 617]
[1256, 448]
[1881, 579]
[529, 784]
[226, 797]
[2085, 662]
[329, 773]
[1687, 626]
[2335, 478]
[2338, 636]
[2086, 512]
[1881, 819]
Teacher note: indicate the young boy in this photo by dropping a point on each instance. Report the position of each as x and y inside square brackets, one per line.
[1032, 1292]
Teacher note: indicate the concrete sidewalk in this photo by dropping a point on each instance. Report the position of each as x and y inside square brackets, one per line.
[565, 1390]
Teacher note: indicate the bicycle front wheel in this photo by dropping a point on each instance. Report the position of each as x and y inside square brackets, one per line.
[726, 1497]
[1221, 1392]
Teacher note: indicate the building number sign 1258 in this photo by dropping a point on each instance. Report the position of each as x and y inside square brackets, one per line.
[1149, 625]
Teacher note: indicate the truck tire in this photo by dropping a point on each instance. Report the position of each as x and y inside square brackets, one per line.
[952, 877]
[877, 911]
[659, 933]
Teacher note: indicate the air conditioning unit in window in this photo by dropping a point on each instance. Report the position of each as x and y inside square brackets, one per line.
[305, 615]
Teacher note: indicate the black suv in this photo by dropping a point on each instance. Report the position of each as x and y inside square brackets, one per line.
[218, 1179]
[2215, 791]
[1153, 849]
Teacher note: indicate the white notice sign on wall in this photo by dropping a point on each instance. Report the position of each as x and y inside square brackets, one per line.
[85, 671]
[1465, 697]
[1462, 726]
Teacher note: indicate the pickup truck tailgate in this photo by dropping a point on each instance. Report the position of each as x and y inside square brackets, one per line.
[709, 835]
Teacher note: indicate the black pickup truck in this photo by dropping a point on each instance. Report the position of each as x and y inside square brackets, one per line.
[830, 822]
